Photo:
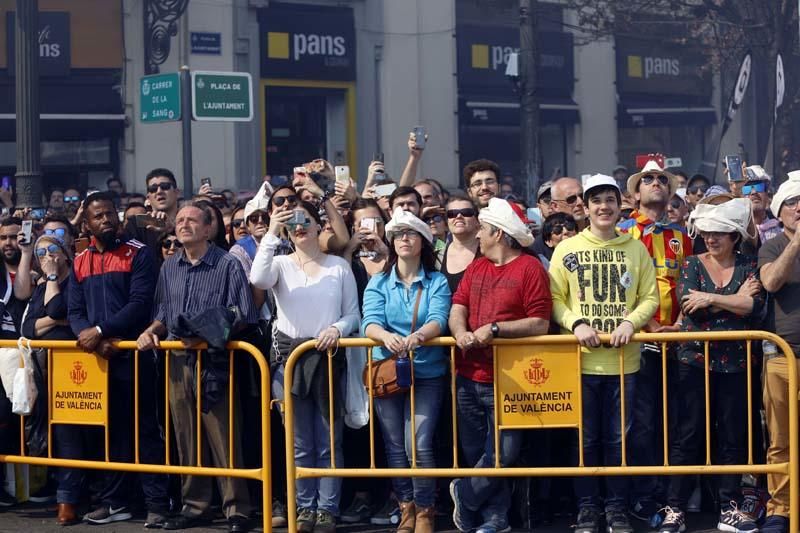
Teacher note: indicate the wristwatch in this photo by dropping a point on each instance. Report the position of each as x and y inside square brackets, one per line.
[495, 330]
[578, 323]
[52, 277]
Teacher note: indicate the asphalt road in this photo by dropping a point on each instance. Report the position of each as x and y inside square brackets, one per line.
[41, 518]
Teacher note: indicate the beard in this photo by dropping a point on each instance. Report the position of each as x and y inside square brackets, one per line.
[14, 258]
[107, 238]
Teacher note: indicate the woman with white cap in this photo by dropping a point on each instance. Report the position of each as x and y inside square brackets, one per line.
[719, 291]
[404, 306]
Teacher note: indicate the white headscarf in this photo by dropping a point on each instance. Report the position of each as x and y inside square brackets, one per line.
[731, 217]
[259, 202]
[500, 214]
[402, 220]
[788, 189]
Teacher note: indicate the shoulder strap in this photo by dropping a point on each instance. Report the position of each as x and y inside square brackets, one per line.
[416, 309]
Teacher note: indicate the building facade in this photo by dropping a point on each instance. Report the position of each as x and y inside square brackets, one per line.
[347, 80]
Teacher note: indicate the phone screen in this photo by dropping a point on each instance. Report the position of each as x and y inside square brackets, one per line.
[27, 230]
[734, 164]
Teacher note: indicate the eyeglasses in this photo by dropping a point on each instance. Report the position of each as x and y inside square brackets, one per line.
[694, 189]
[164, 186]
[58, 232]
[408, 234]
[558, 229]
[662, 179]
[278, 201]
[254, 219]
[71, 199]
[569, 200]
[51, 248]
[237, 222]
[713, 234]
[760, 186]
[171, 243]
[487, 182]
[791, 202]
[435, 219]
[467, 212]
[304, 225]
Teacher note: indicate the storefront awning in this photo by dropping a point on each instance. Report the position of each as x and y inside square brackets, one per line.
[485, 111]
[640, 113]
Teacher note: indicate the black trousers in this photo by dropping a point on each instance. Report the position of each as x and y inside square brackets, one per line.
[728, 402]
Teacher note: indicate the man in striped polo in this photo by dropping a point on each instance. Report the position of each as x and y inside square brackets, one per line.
[668, 245]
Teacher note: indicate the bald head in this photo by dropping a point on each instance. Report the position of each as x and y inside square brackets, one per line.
[566, 196]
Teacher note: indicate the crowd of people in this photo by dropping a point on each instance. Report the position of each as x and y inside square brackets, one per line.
[402, 262]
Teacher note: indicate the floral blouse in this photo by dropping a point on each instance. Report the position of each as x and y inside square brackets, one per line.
[727, 356]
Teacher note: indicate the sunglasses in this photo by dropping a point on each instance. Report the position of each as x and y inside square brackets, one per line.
[435, 219]
[466, 212]
[171, 243]
[51, 248]
[278, 201]
[236, 223]
[164, 186]
[569, 200]
[663, 180]
[58, 232]
[755, 187]
[254, 219]
[558, 229]
[676, 204]
[72, 199]
[694, 189]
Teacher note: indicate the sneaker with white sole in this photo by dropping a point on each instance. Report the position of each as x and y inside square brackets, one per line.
[107, 514]
[735, 520]
[388, 515]
[674, 521]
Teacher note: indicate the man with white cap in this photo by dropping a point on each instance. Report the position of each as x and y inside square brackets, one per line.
[668, 244]
[779, 266]
[756, 188]
[505, 293]
[566, 196]
[603, 281]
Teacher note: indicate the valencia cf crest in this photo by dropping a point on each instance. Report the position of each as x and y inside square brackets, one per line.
[537, 374]
[675, 246]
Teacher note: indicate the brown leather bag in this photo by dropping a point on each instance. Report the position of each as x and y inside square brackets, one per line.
[384, 372]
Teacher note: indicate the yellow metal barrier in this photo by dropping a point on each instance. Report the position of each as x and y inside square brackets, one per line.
[789, 468]
[262, 474]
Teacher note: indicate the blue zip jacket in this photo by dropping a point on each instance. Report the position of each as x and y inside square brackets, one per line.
[113, 289]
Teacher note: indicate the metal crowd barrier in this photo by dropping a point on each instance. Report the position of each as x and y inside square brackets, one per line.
[569, 349]
[262, 474]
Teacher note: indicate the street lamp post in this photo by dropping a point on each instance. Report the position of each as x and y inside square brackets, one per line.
[29, 171]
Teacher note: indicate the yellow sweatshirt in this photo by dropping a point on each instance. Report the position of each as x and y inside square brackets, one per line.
[604, 282]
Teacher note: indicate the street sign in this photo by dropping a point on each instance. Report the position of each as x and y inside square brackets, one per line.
[160, 98]
[206, 43]
[222, 96]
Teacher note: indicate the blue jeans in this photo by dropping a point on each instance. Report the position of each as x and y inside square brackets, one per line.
[602, 438]
[475, 411]
[394, 415]
[312, 449]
